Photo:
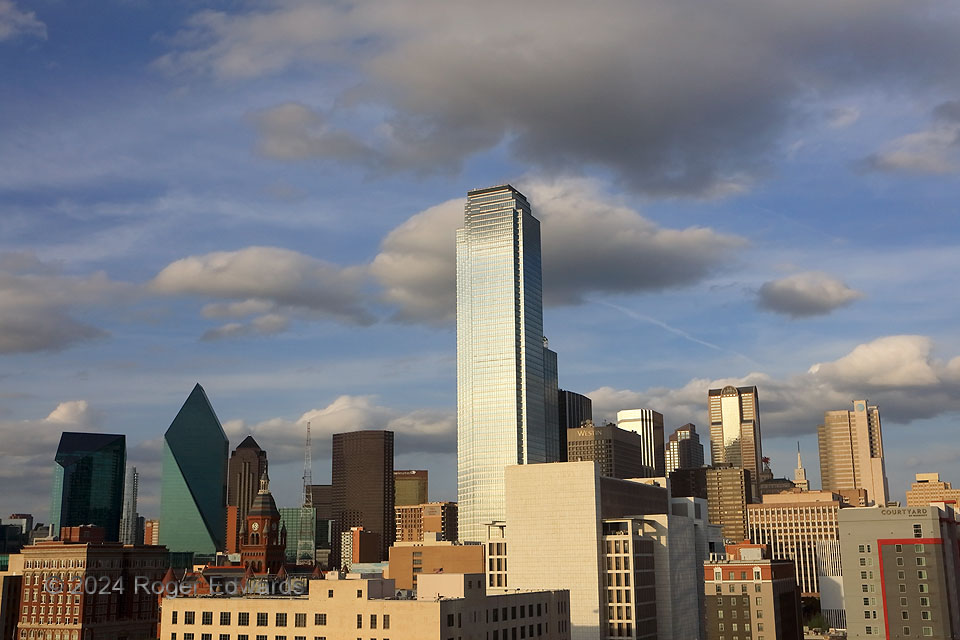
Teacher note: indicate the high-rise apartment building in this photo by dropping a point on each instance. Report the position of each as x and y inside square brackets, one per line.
[928, 488]
[748, 595]
[735, 430]
[194, 486]
[729, 491]
[501, 368]
[900, 572]
[851, 452]
[88, 482]
[792, 525]
[130, 520]
[247, 464]
[649, 424]
[684, 450]
[618, 452]
[363, 490]
[411, 486]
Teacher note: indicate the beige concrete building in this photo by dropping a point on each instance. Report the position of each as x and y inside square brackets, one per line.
[415, 522]
[749, 595]
[900, 572]
[619, 452]
[729, 491]
[791, 525]
[851, 452]
[447, 606]
[411, 487]
[734, 414]
[409, 560]
[928, 488]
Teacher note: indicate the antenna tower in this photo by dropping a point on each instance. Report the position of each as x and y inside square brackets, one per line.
[306, 536]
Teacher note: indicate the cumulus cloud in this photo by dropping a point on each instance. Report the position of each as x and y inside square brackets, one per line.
[934, 150]
[14, 22]
[898, 373]
[805, 294]
[417, 431]
[38, 302]
[668, 96]
[29, 447]
[591, 242]
[270, 281]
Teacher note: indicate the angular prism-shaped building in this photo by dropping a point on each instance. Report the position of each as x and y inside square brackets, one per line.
[88, 482]
[194, 486]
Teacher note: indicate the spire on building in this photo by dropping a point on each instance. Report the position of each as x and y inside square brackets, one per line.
[800, 474]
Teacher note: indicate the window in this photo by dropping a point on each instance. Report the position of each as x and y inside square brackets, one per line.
[281, 620]
[866, 602]
[918, 548]
[759, 613]
[921, 574]
[224, 618]
[359, 593]
[863, 575]
[861, 548]
[898, 548]
[864, 588]
[866, 615]
[300, 620]
[899, 562]
[386, 620]
[758, 601]
[173, 616]
[206, 636]
[903, 602]
[863, 562]
[262, 619]
[917, 531]
[924, 602]
[901, 575]
[206, 617]
[928, 631]
[904, 615]
[924, 588]
[925, 615]
[329, 593]
[359, 621]
[903, 588]
[373, 621]
[921, 561]
[906, 631]
[243, 619]
[320, 619]
[189, 617]
[756, 588]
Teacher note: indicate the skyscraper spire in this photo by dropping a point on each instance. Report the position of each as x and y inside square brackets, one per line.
[800, 474]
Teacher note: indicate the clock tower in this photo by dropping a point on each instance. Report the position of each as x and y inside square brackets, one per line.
[262, 542]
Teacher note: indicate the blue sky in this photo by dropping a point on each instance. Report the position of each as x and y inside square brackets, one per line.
[262, 197]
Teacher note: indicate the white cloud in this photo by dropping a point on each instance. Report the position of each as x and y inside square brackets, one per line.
[266, 325]
[935, 150]
[898, 373]
[591, 243]
[14, 22]
[806, 294]
[266, 279]
[37, 303]
[421, 430]
[668, 96]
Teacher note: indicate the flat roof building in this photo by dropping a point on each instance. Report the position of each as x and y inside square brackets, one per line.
[619, 452]
[929, 488]
[729, 491]
[851, 452]
[415, 522]
[410, 560]
[411, 487]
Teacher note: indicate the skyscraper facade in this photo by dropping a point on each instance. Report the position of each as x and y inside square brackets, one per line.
[194, 483]
[929, 488]
[851, 452]
[551, 404]
[248, 463]
[130, 520]
[735, 430]
[574, 410]
[684, 450]
[649, 424]
[501, 399]
[412, 486]
[88, 482]
[363, 490]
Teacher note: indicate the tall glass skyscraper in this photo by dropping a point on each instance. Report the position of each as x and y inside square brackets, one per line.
[88, 482]
[130, 518]
[501, 368]
[194, 487]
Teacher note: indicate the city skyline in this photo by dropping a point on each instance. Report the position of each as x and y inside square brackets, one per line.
[274, 217]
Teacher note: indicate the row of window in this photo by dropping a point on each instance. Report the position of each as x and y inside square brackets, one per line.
[263, 619]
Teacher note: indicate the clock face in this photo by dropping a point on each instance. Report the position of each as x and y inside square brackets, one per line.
[860, 406]
[255, 526]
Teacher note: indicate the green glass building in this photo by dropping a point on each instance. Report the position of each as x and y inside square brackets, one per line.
[194, 486]
[88, 482]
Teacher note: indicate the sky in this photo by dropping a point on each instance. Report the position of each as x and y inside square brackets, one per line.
[262, 198]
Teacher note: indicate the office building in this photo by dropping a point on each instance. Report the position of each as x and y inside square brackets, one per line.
[800, 474]
[416, 523]
[689, 483]
[446, 605]
[773, 486]
[314, 533]
[735, 430]
[409, 560]
[851, 452]
[729, 491]
[619, 452]
[358, 545]
[83, 558]
[194, 484]
[649, 425]
[501, 382]
[363, 490]
[574, 410]
[11, 588]
[151, 532]
[411, 487]
[791, 525]
[900, 572]
[551, 405]
[542, 550]
[830, 583]
[23, 520]
[248, 463]
[928, 488]
[749, 595]
[684, 450]
[88, 482]
[130, 531]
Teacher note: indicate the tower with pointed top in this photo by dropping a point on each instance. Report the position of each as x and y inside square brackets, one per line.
[800, 474]
[194, 484]
[248, 463]
[262, 540]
